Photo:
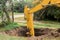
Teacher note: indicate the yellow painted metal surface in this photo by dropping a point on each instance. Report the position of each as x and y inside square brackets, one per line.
[30, 24]
[29, 18]
[25, 12]
[45, 2]
[39, 6]
[28, 13]
[36, 8]
[55, 1]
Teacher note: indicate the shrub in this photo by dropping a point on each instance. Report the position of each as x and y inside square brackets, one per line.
[50, 12]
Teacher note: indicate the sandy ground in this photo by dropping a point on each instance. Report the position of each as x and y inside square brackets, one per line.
[18, 17]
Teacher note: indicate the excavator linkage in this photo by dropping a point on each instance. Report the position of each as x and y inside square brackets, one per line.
[28, 13]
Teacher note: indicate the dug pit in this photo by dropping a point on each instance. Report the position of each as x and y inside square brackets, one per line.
[23, 31]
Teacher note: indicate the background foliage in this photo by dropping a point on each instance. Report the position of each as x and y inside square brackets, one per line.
[50, 13]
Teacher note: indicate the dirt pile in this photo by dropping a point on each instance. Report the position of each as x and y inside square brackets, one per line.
[22, 31]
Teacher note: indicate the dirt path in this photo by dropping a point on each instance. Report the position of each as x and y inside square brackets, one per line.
[18, 17]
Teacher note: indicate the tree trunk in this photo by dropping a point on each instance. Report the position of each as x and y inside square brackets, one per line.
[7, 15]
[57, 19]
[12, 13]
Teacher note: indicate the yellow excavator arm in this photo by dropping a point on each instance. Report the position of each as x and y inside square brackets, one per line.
[28, 12]
[44, 3]
[39, 6]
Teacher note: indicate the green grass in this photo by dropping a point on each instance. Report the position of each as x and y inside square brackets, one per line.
[43, 24]
[6, 37]
[9, 26]
[47, 24]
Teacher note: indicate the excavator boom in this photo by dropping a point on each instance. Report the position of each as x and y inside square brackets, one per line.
[28, 12]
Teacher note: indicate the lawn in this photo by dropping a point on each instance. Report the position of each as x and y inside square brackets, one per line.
[6, 37]
[43, 24]
[47, 24]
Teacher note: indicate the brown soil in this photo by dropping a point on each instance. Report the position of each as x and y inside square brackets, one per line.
[23, 31]
[40, 33]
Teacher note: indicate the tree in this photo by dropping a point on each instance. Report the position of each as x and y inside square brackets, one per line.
[4, 11]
